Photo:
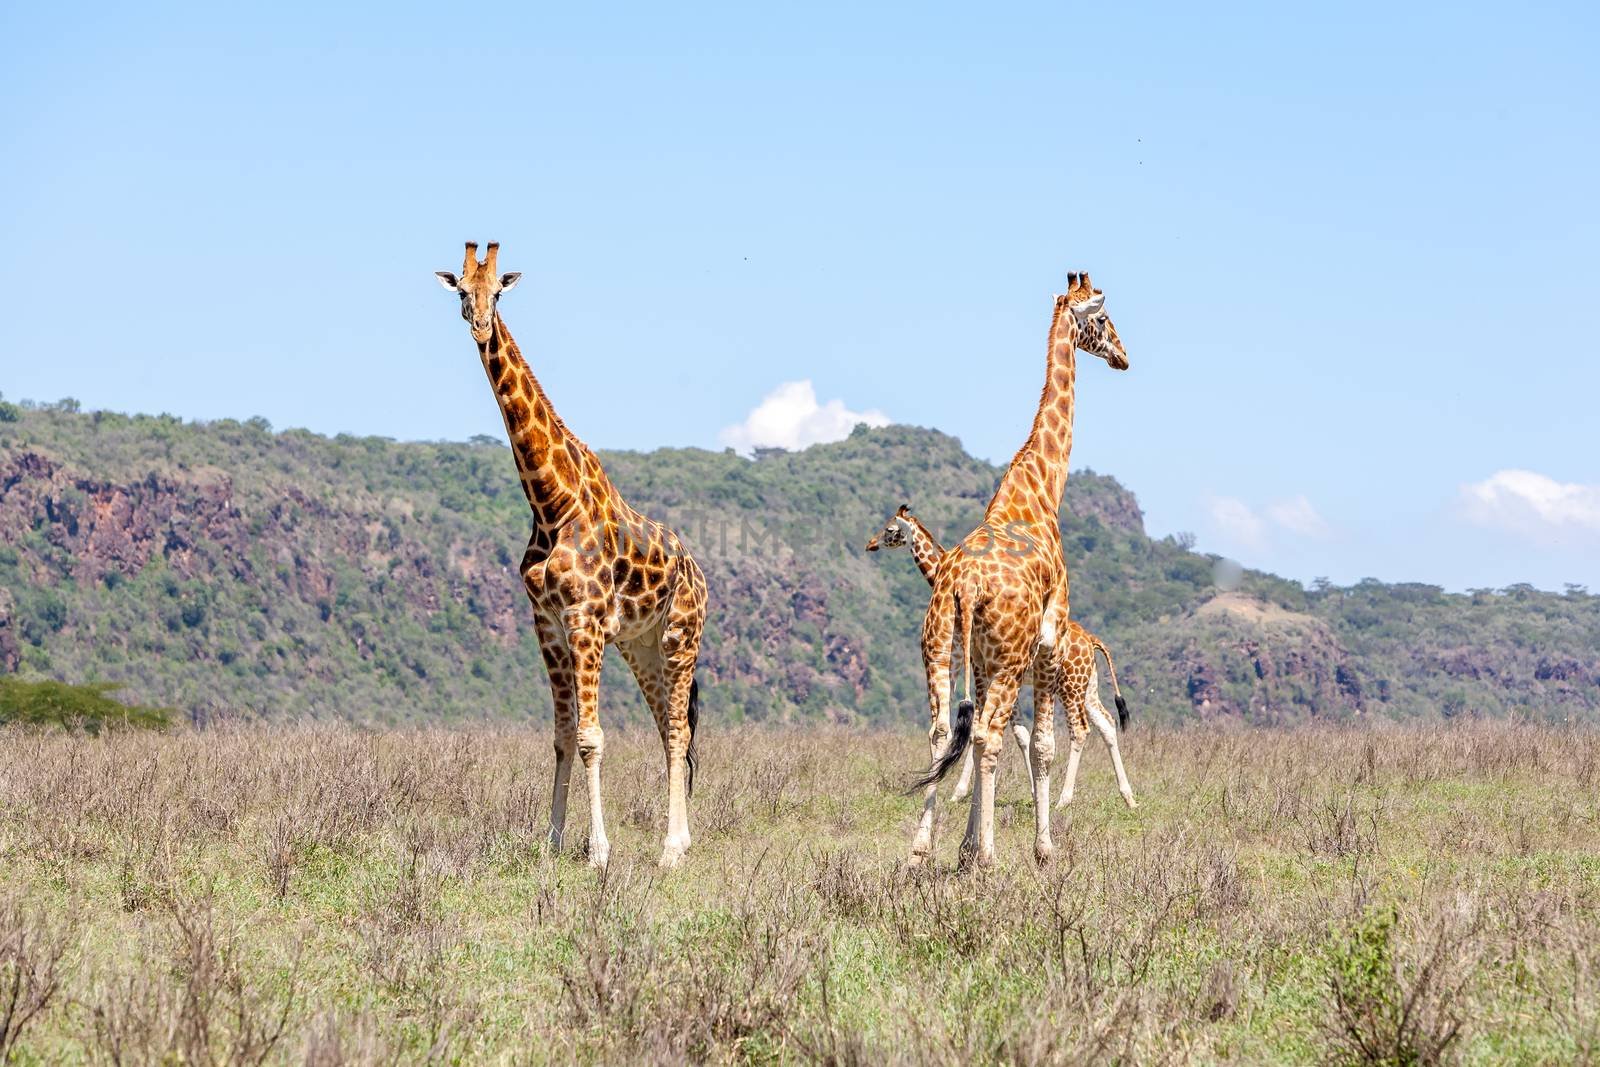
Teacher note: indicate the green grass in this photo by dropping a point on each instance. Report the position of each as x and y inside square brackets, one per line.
[327, 895]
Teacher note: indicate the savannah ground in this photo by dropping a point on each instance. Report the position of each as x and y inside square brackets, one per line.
[329, 895]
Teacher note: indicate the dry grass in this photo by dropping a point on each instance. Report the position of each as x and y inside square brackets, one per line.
[332, 896]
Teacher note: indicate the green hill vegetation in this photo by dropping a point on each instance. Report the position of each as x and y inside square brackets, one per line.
[223, 568]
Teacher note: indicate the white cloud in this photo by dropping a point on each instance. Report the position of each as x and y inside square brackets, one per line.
[1236, 522]
[1298, 516]
[790, 417]
[1241, 526]
[1532, 504]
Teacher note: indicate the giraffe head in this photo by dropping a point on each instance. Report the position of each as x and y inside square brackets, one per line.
[479, 288]
[893, 534]
[1096, 334]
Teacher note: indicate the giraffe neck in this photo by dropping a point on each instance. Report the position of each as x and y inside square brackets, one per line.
[1032, 487]
[558, 471]
[925, 549]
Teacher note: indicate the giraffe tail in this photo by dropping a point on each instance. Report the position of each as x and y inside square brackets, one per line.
[694, 721]
[960, 735]
[961, 729]
[1116, 690]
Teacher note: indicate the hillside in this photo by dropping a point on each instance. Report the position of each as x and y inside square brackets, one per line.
[222, 567]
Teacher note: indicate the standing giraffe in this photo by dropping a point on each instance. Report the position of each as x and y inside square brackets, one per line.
[597, 572]
[1003, 591]
[1076, 679]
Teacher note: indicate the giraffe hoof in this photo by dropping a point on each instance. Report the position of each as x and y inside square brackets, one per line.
[1063, 802]
[1132, 803]
[1043, 852]
[599, 857]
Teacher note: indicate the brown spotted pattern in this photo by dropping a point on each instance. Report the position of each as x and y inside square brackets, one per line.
[597, 572]
[1077, 684]
[1001, 593]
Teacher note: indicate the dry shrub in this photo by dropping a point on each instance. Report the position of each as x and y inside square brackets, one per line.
[194, 999]
[1341, 830]
[335, 1041]
[30, 970]
[1389, 1010]
[1195, 927]
[280, 852]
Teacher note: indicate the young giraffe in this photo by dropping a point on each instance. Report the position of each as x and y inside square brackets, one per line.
[1077, 682]
[1003, 591]
[597, 572]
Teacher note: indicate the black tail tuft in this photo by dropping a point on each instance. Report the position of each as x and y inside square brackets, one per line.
[1122, 713]
[694, 720]
[959, 736]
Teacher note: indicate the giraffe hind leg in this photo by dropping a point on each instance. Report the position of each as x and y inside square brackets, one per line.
[989, 734]
[671, 691]
[1108, 732]
[1041, 752]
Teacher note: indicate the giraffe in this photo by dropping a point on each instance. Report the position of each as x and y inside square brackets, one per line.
[1003, 592]
[1076, 679]
[597, 572]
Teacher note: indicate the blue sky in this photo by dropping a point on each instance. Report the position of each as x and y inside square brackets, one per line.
[1352, 251]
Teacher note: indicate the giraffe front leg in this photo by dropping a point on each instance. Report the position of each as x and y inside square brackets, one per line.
[587, 641]
[1074, 680]
[558, 664]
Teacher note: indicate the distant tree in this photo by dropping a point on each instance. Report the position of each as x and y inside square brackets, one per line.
[86, 707]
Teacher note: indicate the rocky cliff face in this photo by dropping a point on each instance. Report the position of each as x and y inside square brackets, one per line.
[224, 567]
[10, 651]
[1244, 659]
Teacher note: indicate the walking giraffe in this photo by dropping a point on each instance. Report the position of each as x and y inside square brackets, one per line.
[1077, 682]
[1003, 591]
[598, 573]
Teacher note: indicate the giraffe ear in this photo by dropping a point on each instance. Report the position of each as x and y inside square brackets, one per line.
[509, 282]
[448, 280]
[1083, 309]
